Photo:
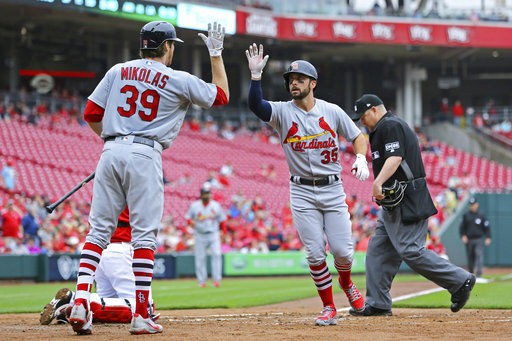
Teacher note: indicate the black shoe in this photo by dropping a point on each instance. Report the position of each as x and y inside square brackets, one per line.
[461, 296]
[368, 310]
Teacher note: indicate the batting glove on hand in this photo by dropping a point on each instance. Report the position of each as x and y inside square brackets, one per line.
[256, 60]
[215, 39]
[360, 168]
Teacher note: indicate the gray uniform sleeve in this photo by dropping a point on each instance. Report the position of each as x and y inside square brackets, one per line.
[346, 127]
[275, 121]
[199, 92]
[102, 91]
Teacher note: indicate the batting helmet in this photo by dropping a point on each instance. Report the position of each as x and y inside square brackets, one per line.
[299, 66]
[154, 33]
[393, 195]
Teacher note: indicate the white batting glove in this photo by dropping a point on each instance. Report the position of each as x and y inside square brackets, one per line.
[256, 60]
[360, 168]
[215, 39]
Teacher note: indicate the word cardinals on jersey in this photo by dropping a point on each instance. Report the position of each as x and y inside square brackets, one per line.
[144, 75]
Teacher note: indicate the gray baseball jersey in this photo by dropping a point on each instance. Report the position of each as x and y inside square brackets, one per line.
[311, 146]
[206, 232]
[310, 140]
[206, 218]
[145, 98]
[142, 99]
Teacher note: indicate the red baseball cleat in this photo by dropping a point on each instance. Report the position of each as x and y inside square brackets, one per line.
[327, 317]
[354, 297]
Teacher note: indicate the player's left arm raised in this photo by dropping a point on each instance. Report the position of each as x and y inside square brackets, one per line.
[215, 44]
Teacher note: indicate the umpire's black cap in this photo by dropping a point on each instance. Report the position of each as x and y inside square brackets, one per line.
[364, 103]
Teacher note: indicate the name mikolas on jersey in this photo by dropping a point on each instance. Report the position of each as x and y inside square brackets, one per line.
[133, 73]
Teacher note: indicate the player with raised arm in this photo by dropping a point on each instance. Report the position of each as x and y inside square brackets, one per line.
[138, 109]
[309, 129]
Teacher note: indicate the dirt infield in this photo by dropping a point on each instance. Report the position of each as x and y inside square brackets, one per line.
[290, 321]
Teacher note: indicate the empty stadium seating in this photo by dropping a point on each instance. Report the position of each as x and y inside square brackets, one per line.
[50, 159]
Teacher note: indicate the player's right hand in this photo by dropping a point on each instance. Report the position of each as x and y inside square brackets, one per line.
[215, 39]
[256, 60]
[360, 168]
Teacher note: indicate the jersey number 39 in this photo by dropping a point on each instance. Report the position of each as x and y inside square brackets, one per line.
[149, 99]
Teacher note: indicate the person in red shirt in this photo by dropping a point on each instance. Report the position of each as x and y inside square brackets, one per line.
[458, 113]
[11, 223]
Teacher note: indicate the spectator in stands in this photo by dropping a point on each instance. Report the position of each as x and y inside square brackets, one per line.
[376, 10]
[275, 238]
[213, 179]
[194, 124]
[9, 176]
[186, 178]
[364, 240]
[210, 126]
[225, 172]
[268, 171]
[468, 184]
[226, 131]
[478, 121]
[11, 224]
[227, 169]
[470, 112]
[437, 246]
[30, 226]
[458, 114]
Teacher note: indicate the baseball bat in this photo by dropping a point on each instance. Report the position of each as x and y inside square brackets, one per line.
[50, 208]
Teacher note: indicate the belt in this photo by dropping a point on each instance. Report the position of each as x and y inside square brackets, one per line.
[136, 139]
[315, 182]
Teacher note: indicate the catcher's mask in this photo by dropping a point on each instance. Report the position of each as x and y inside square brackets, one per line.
[393, 195]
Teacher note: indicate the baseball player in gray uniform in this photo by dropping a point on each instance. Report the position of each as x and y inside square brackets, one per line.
[205, 216]
[309, 129]
[138, 109]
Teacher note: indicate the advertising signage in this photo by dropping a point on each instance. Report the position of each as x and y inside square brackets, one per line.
[134, 10]
[368, 30]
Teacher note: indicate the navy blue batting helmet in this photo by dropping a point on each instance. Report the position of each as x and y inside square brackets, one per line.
[299, 66]
[154, 33]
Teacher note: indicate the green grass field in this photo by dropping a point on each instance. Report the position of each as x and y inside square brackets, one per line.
[247, 292]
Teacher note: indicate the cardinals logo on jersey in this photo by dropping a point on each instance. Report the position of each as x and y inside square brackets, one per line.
[298, 143]
[292, 132]
[325, 126]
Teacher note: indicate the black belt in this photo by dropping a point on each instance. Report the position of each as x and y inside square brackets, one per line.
[136, 139]
[315, 182]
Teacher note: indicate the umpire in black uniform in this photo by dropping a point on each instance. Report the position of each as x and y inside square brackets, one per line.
[475, 232]
[394, 241]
